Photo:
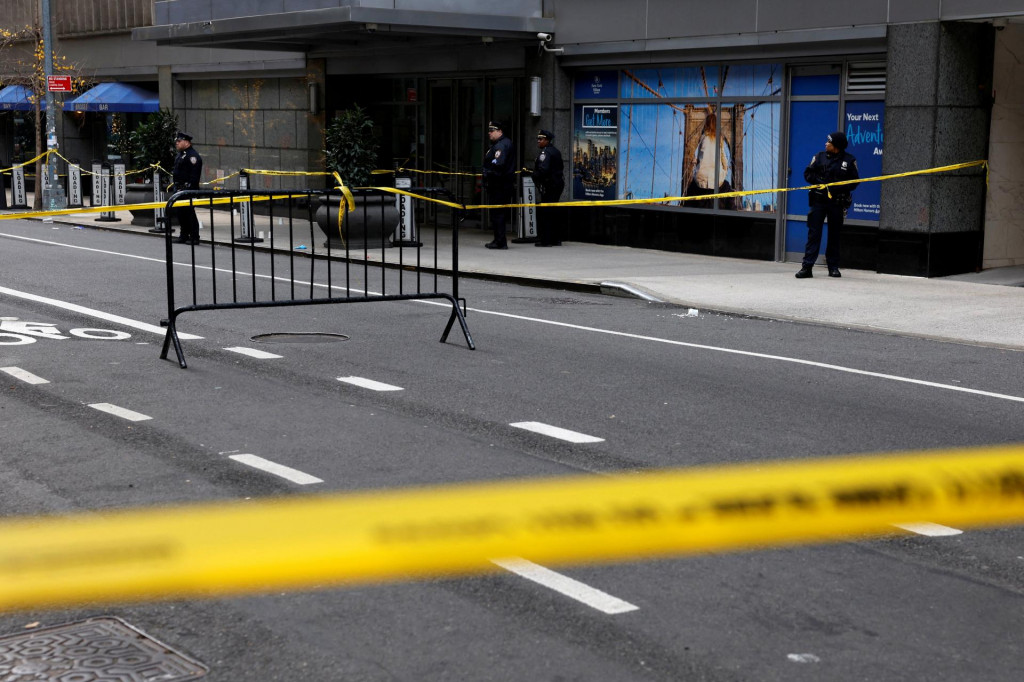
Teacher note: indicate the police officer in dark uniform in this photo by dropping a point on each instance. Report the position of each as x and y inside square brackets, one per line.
[188, 169]
[831, 165]
[499, 180]
[547, 175]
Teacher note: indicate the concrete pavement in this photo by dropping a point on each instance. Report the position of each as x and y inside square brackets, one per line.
[986, 308]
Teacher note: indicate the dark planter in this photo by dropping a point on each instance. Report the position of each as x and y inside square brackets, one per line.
[140, 193]
[371, 225]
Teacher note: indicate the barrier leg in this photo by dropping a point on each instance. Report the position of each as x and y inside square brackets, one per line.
[172, 337]
[457, 314]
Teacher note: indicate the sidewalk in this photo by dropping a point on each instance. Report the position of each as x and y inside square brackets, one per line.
[985, 308]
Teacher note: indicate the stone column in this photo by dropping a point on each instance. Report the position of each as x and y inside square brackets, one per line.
[937, 111]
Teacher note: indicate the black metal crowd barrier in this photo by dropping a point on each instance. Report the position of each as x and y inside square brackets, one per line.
[226, 270]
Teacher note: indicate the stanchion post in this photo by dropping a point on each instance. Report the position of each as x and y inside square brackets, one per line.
[104, 177]
[405, 234]
[95, 192]
[160, 221]
[245, 212]
[527, 215]
[74, 184]
[19, 193]
[3, 188]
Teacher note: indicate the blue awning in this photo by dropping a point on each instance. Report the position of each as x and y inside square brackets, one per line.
[122, 97]
[15, 98]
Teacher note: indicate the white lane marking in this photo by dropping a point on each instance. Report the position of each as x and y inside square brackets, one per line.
[563, 584]
[370, 384]
[253, 353]
[610, 332]
[27, 377]
[556, 432]
[293, 475]
[933, 530]
[765, 356]
[120, 412]
[117, 319]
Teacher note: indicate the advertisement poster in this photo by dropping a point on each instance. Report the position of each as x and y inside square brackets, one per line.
[595, 151]
[863, 126]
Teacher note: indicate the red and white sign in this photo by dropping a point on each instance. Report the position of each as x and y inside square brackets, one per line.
[58, 83]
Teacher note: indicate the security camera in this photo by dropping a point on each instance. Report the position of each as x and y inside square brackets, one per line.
[546, 37]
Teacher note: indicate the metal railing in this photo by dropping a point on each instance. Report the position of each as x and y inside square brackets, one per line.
[361, 259]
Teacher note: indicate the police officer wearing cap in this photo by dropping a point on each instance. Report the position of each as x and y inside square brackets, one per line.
[831, 165]
[188, 169]
[499, 178]
[547, 175]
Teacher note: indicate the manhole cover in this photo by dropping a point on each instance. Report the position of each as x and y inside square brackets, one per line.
[94, 650]
[299, 337]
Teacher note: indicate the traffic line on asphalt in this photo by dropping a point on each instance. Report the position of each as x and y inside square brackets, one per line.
[91, 312]
[293, 475]
[932, 530]
[557, 432]
[563, 584]
[253, 353]
[27, 377]
[369, 383]
[130, 415]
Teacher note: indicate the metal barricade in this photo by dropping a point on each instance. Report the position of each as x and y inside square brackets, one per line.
[356, 263]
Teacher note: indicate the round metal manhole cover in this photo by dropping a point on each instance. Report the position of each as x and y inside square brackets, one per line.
[299, 337]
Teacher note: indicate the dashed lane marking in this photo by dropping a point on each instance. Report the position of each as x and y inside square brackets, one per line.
[557, 432]
[253, 353]
[27, 377]
[933, 530]
[120, 412]
[293, 475]
[369, 383]
[563, 584]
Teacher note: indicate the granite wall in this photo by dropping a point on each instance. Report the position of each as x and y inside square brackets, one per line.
[937, 111]
[1004, 222]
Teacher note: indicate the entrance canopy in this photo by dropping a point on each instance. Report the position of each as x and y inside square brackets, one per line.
[15, 98]
[120, 97]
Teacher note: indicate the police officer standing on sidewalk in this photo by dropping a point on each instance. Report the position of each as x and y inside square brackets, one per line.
[188, 169]
[547, 175]
[831, 165]
[499, 178]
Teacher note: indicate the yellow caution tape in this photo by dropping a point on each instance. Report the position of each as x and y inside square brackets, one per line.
[288, 543]
[607, 202]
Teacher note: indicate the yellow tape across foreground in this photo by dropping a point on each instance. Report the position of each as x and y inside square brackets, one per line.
[312, 541]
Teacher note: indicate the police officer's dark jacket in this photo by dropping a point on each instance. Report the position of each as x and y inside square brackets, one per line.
[500, 164]
[188, 169]
[547, 171]
[825, 168]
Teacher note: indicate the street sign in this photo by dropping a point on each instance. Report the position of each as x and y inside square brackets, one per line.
[58, 83]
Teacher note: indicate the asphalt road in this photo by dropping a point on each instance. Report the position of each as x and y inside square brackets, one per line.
[659, 387]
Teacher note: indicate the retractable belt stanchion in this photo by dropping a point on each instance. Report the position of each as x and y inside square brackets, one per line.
[159, 214]
[19, 193]
[95, 191]
[527, 215]
[245, 212]
[74, 184]
[104, 179]
[406, 234]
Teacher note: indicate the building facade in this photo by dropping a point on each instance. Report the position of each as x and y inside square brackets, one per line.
[650, 99]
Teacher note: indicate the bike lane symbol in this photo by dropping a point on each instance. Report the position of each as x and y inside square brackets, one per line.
[15, 332]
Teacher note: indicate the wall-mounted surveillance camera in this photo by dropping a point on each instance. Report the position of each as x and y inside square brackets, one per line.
[546, 37]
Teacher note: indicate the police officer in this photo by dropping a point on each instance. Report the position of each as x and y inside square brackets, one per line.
[499, 180]
[831, 165]
[188, 169]
[547, 175]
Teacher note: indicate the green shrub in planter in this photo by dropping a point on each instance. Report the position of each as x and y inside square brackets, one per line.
[350, 146]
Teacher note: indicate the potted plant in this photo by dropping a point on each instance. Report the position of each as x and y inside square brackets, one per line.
[350, 150]
[152, 142]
